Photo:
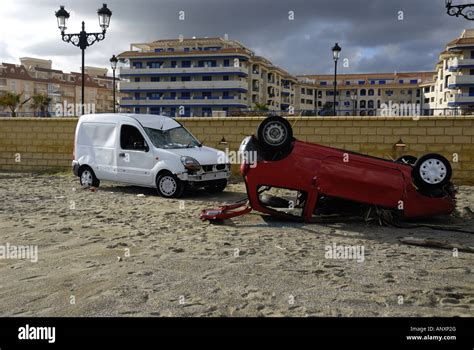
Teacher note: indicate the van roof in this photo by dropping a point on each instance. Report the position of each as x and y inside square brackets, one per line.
[146, 120]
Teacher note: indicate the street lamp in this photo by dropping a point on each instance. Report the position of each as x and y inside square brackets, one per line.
[464, 10]
[336, 52]
[83, 40]
[354, 101]
[113, 64]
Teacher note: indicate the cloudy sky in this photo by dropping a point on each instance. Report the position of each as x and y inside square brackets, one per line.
[372, 36]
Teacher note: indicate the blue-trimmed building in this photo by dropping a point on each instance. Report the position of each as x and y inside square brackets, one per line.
[202, 77]
[452, 88]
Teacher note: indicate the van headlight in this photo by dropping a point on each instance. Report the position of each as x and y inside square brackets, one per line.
[190, 163]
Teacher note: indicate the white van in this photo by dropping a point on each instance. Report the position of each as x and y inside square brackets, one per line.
[145, 150]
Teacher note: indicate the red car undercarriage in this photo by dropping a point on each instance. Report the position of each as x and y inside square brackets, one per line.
[306, 180]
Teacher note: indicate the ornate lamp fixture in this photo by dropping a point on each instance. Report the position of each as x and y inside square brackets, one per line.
[464, 10]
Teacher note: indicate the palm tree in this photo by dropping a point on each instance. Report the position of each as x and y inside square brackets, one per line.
[40, 103]
[261, 107]
[13, 101]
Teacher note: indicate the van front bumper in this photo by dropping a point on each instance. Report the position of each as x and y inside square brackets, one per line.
[218, 175]
[75, 167]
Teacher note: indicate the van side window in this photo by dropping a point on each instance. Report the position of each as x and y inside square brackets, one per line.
[132, 139]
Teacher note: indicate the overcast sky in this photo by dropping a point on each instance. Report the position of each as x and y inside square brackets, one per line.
[372, 37]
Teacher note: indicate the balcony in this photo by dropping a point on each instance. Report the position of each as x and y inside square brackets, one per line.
[460, 80]
[211, 101]
[175, 71]
[460, 63]
[185, 85]
[462, 99]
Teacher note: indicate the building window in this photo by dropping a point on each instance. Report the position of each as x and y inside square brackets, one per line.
[361, 82]
[371, 92]
[173, 79]
[362, 104]
[185, 78]
[207, 78]
[226, 63]
[154, 64]
[225, 77]
[173, 64]
[137, 65]
[186, 64]
[137, 79]
[371, 104]
[363, 92]
[155, 79]
[324, 83]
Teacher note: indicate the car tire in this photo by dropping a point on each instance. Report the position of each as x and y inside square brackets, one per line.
[275, 134]
[432, 171]
[217, 186]
[407, 160]
[169, 186]
[87, 177]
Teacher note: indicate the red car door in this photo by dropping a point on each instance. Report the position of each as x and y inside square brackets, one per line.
[361, 179]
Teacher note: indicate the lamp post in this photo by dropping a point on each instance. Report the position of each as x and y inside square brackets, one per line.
[113, 64]
[354, 100]
[464, 10]
[336, 52]
[83, 40]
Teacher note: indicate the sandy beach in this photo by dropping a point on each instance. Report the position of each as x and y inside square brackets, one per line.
[124, 251]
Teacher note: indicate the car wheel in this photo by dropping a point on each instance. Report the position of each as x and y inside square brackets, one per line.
[169, 186]
[217, 186]
[407, 160]
[431, 171]
[87, 177]
[275, 134]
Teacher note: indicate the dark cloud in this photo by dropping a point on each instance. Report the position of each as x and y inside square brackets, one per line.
[369, 31]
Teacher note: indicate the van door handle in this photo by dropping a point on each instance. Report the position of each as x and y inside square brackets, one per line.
[122, 155]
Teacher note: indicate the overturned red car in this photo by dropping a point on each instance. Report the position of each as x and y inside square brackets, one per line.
[297, 180]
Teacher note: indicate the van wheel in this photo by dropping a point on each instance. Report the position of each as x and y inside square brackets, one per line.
[275, 134]
[87, 177]
[431, 171]
[169, 186]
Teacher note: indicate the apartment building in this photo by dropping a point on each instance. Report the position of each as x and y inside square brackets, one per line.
[204, 77]
[35, 76]
[451, 89]
[365, 94]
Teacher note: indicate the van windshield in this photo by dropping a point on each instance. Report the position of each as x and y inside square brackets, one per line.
[172, 139]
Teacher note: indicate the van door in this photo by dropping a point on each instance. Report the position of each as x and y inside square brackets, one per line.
[95, 147]
[134, 158]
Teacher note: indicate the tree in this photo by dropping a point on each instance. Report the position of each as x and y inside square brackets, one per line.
[261, 107]
[13, 101]
[41, 103]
